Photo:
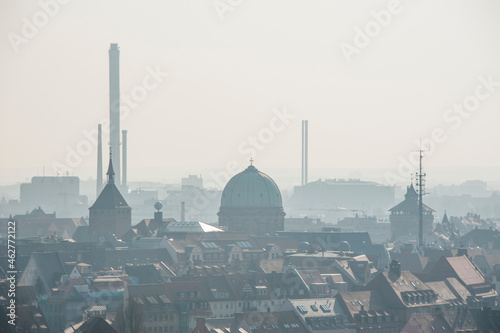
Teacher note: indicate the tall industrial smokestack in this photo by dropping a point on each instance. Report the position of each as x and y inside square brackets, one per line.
[124, 159]
[183, 211]
[114, 107]
[304, 151]
[99, 160]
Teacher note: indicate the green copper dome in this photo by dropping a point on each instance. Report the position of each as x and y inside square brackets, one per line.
[251, 188]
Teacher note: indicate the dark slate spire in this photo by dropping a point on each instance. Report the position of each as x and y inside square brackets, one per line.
[445, 219]
[411, 193]
[111, 172]
[110, 197]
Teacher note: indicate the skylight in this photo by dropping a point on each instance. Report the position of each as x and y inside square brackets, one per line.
[302, 309]
[244, 245]
[325, 308]
[209, 245]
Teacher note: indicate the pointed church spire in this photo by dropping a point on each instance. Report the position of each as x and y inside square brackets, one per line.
[111, 172]
[445, 218]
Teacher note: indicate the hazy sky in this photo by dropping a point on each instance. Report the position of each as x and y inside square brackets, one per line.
[228, 77]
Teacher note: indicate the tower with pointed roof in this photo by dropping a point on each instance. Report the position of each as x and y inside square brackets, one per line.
[404, 217]
[251, 203]
[110, 213]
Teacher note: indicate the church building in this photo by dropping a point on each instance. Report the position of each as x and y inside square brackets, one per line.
[251, 203]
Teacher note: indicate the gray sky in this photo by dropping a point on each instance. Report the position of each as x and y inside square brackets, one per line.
[228, 78]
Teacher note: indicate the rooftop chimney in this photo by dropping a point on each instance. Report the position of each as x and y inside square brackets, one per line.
[395, 268]
[462, 252]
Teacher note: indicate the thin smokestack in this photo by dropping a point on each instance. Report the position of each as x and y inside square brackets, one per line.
[114, 107]
[304, 151]
[99, 159]
[183, 211]
[124, 159]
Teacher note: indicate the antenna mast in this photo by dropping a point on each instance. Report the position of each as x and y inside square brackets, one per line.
[420, 184]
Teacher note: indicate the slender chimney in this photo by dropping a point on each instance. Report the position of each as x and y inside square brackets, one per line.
[304, 151]
[99, 160]
[183, 211]
[124, 159]
[114, 107]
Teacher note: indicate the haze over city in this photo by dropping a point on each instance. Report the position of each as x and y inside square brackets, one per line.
[230, 70]
[231, 166]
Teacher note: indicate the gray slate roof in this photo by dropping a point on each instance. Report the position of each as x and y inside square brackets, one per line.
[110, 198]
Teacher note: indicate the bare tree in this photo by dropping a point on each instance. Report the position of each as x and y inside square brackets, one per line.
[130, 317]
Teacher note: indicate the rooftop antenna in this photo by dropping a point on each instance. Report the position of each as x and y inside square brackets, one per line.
[420, 176]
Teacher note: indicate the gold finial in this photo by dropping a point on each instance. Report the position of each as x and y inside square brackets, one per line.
[251, 161]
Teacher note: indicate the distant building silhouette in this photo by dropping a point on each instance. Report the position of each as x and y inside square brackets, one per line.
[333, 198]
[60, 194]
[251, 202]
[110, 213]
[404, 217]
